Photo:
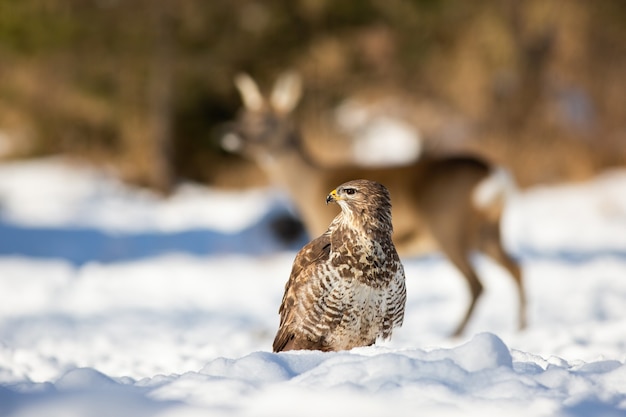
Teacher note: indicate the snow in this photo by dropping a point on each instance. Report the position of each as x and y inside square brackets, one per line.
[51, 193]
[186, 330]
[379, 138]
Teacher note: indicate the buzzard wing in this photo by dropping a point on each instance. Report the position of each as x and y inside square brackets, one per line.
[303, 271]
[395, 302]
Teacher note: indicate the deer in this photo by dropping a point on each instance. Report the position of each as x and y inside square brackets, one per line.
[452, 204]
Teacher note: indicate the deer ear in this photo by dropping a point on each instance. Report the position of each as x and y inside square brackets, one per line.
[287, 92]
[249, 90]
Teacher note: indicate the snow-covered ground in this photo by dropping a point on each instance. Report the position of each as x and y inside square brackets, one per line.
[114, 302]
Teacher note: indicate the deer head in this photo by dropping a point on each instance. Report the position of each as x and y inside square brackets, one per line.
[264, 126]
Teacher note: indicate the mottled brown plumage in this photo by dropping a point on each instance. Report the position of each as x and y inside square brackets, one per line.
[346, 288]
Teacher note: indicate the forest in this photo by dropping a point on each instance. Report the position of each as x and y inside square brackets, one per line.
[145, 88]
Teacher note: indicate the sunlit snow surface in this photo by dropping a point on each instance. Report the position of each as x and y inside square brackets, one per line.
[187, 330]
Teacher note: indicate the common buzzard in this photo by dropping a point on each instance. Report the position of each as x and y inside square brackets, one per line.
[346, 288]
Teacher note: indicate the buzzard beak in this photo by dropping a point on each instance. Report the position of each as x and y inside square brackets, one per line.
[332, 197]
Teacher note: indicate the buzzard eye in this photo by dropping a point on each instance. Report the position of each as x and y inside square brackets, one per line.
[350, 191]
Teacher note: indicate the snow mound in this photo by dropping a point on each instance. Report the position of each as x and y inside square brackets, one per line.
[464, 380]
[484, 351]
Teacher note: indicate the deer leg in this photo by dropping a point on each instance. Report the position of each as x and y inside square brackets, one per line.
[492, 246]
[476, 288]
[498, 254]
[507, 262]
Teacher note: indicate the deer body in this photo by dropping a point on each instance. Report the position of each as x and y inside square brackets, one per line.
[434, 205]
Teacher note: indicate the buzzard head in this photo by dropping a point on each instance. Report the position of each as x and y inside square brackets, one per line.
[367, 200]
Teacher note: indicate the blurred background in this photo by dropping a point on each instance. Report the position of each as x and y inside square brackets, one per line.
[144, 87]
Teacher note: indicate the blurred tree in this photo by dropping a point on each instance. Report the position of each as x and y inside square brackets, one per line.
[145, 85]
